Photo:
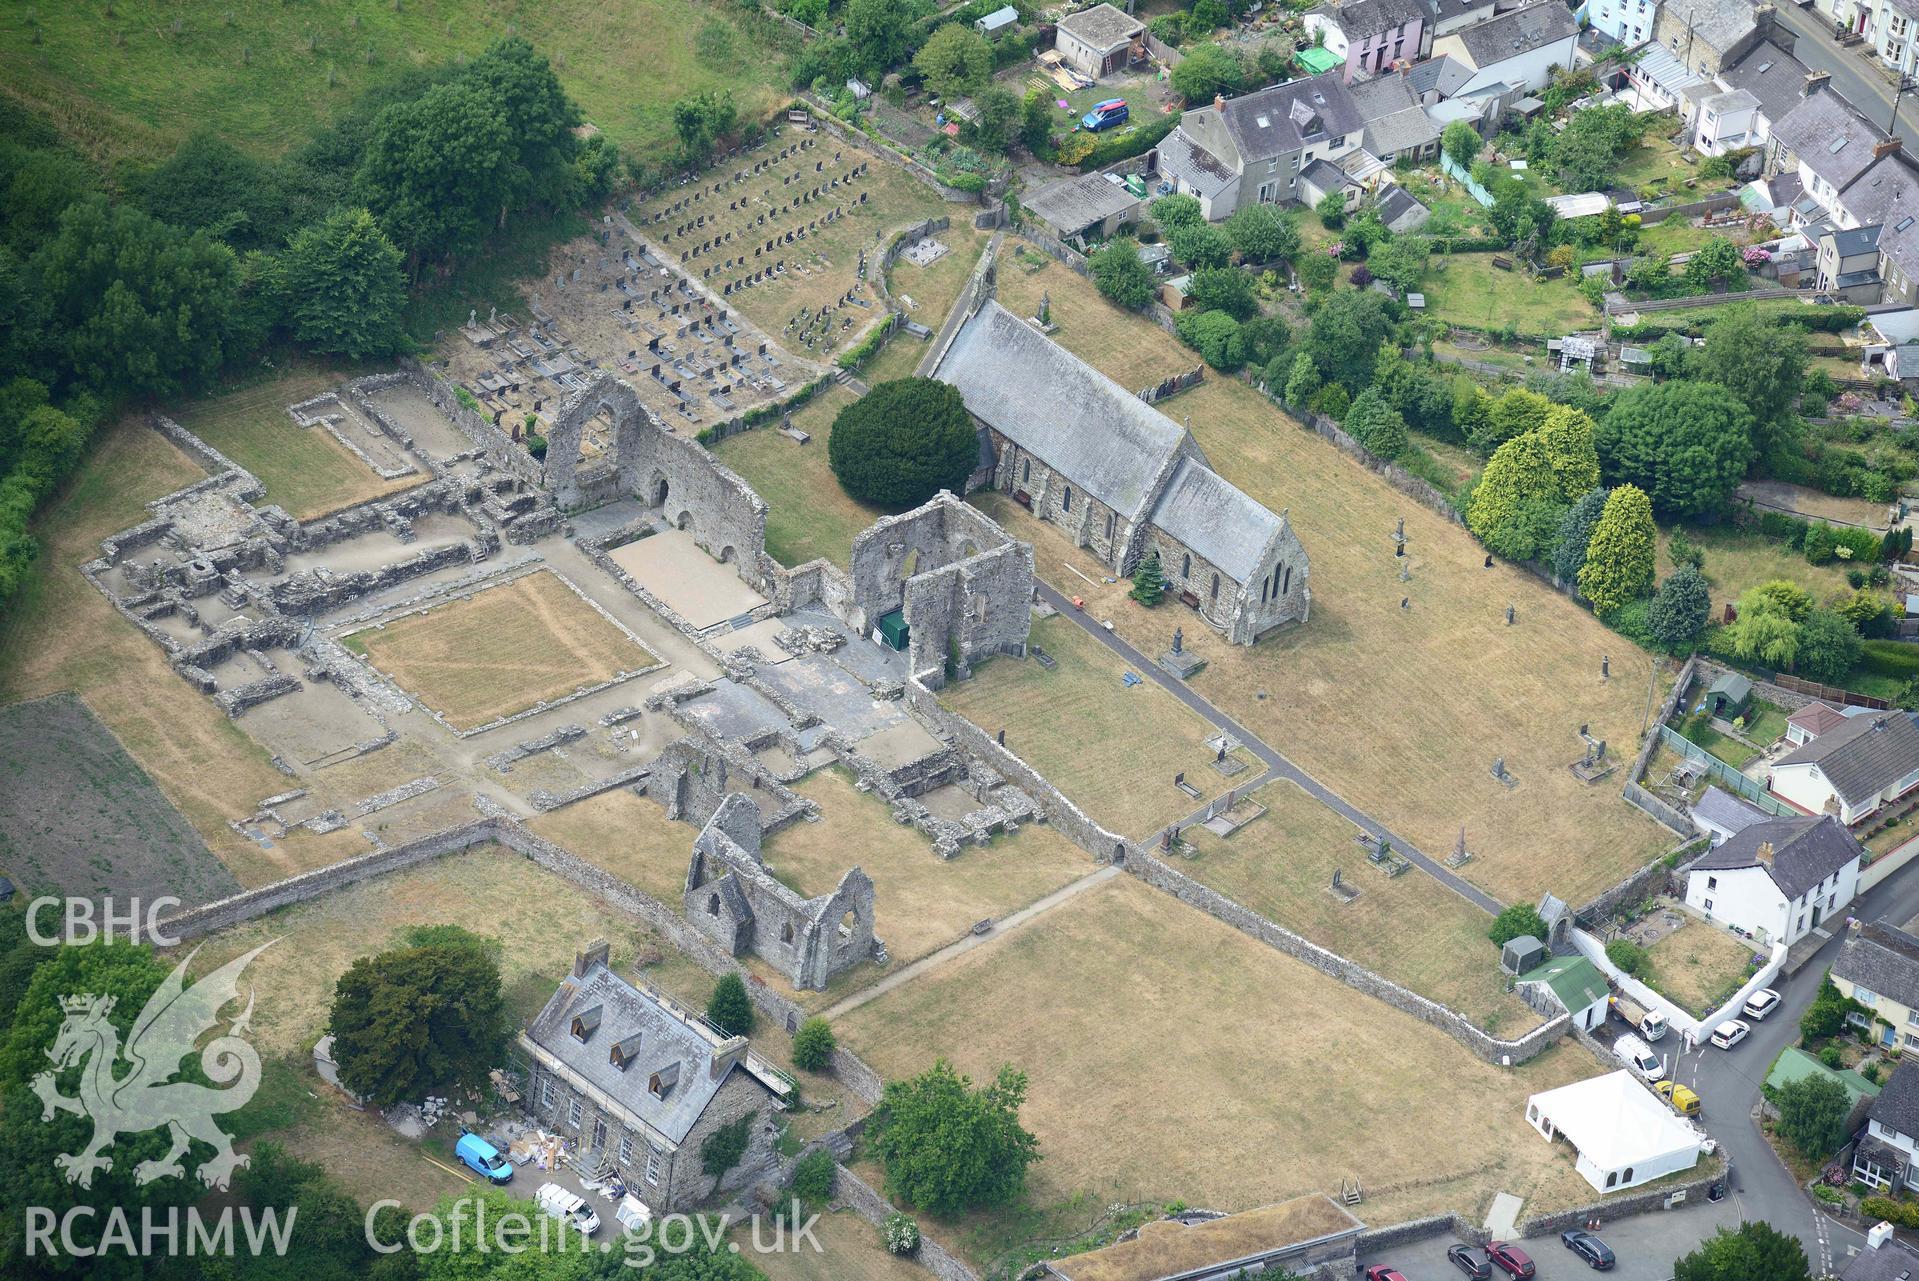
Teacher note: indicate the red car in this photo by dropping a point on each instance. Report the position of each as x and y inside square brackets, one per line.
[1511, 1260]
[1380, 1272]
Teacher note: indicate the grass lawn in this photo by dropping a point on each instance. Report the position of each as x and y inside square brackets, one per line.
[502, 650]
[1813, 504]
[808, 515]
[61, 634]
[850, 1250]
[627, 834]
[1699, 966]
[1738, 559]
[304, 469]
[1171, 1056]
[1409, 928]
[122, 84]
[934, 289]
[1094, 330]
[923, 901]
[1468, 290]
[1111, 749]
[1729, 750]
[1765, 722]
[1401, 711]
[1655, 162]
[1677, 235]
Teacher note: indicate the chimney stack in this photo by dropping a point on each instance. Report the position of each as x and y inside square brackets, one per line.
[1765, 853]
[1878, 1235]
[1815, 81]
[594, 953]
[727, 1055]
[1886, 148]
[1219, 102]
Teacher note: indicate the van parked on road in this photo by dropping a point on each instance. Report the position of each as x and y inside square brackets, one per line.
[1640, 1058]
[485, 1160]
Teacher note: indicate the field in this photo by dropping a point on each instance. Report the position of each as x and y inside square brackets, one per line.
[933, 291]
[628, 835]
[822, 266]
[60, 634]
[1170, 1056]
[1698, 966]
[125, 82]
[808, 515]
[1469, 290]
[923, 902]
[304, 469]
[80, 819]
[850, 1250]
[503, 650]
[1112, 750]
[1402, 711]
[1088, 326]
[1409, 928]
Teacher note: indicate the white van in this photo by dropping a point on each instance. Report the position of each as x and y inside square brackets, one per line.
[567, 1208]
[1640, 1058]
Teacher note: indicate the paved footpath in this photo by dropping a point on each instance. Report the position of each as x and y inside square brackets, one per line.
[1276, 764]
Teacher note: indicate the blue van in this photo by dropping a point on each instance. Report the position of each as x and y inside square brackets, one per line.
[1105, 115]
[481, 1157]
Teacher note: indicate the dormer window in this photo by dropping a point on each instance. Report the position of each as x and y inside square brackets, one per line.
[661, 1083]
[623, 1053]
[585, 1023]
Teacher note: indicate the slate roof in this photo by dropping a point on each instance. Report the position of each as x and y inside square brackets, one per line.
[1854, 240]
[1897, 1107]
[1887, 193]
[1074, 204]
[1395, 203]
[1284, 118]
[1862, 757]
[1391, 117]
[1182, 156]
[1446, 10]
[1102, 26]
[1215, 518]
[1438, 75]
[668, 1044]
[1769, 74]
[1327, 176]
[1805, 851]
[1829, 137]
[1521, 31]
[1724, 810]
[1883, 959]
[1719, 23]
[1087, 427]
[1360, 19]
[1893, 1261]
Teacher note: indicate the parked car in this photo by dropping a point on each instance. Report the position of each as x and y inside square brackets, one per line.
[1760, 1004]
[1597, 1254]
[567, 1207]
[1105, 115]
[1730, 1033]
[1511, 1260]
[1467, 1260]
[485, 1160]
[1381, 1272]
[1639, 1057]
[1684, 1100]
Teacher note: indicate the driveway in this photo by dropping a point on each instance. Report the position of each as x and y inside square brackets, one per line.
[1645, 1245]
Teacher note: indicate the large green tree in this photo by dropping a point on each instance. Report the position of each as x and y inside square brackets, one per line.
[418, 1018]
[903, 442]
[1262, 233]
[438, 169]
[540, 120]
[1768, 623]
[345, 288]
[880, 32]
[1515, 508]
[1752, 1252]
[1829, 647]
[1621, 557]
[1345, 336]
[1760, 363]
[955, 60]
[1812, 1114]
[1226, 289]
[1120, 275]
[1679, 608]
[1374, 422]
[1206, 71]
[1574, 534]
[1461, 143]
[949, 1147]
[1686, 444]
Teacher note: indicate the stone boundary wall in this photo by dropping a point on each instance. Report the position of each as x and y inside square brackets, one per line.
[500, 449]
[1373, 1240]
[1712, 204]
[853, 1192]
[980, 286]
[1159, 875]
[1618, 307]
[309, 420]
[220, 469]
[1635, 793]
[1393, 474]
[825, 119]
[1791, 700]
[1542, 1225]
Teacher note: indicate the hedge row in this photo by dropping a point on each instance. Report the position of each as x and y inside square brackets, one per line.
[1469, 245]
[1897, 659]
[1692, 322]
[1901, 1214]
[1128, 143]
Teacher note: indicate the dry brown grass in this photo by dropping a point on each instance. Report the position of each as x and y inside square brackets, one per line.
[923, 902]
[61, 634]
[627, 834]
[502, 650]
[808, 515]
[1112, 750]
[1402, 711]
[1699, 965]
[1165, 1247]
[850, 1250]
[1409, 928]
[1170, 1055]
[1091, 328]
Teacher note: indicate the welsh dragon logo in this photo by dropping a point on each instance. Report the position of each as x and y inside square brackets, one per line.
[147, 1097]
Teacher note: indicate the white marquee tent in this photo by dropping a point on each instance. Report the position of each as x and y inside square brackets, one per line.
[1623, 1134]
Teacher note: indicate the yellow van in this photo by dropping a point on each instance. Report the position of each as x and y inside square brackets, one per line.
[1683, 1099]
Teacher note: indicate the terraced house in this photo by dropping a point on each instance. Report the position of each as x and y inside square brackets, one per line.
[1079, 451]
[638, 1086]
[1879, 967]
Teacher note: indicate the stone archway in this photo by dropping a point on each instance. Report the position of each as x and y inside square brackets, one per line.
[622, 405]
[657, 489]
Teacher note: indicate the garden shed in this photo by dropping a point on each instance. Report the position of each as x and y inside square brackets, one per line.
[1729, 695]
[1522, 954]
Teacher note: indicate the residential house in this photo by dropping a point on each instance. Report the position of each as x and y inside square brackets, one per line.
[1323, 178]
[1371, 36]
[1393, 125]
[1252, 149]
[1893, 352]
[1878, 966]
[1895, 34]
[1828, 143]
[1727, 120]
[1883, 1157]
[1098, 41]
[637, 1085]
[1886, 195]
[1848, 264]
[1659, 80]
[1515, 53]
[1122, 479]
[1722, 816]
[1308, 1236]
[1709, 35]
[1812, 720]
[1851, 771]
[1772, 76]
[1437, 79]
[1630, 22]
[1456, 15]
[1777, 880]
[1885, 1258]
[1569, 983]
